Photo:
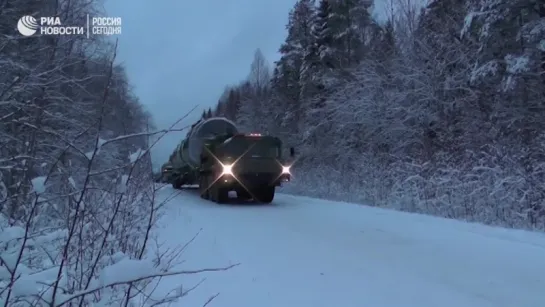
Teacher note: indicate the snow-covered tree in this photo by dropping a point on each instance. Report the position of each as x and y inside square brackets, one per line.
[260, 74]
[288, 69]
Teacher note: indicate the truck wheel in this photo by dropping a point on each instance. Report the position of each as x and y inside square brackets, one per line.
[222, 195]
[242, 194]
[265, 194]
[213, 192]
[207, 194]
[177, 184]
[203, 188]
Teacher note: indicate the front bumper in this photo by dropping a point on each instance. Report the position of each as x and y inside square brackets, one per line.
[254, 180]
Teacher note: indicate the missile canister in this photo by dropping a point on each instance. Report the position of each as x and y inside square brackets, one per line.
[189, 150]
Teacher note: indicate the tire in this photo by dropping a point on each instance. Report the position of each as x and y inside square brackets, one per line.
[222, 195]
[265, 195]
[203, 188]
[177, 184]
[212, 194]
[242, 194]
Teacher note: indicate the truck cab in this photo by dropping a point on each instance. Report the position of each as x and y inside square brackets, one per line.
[166, 172]
[250, 164]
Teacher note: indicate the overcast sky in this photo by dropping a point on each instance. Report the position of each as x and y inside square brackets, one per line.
[180, 54]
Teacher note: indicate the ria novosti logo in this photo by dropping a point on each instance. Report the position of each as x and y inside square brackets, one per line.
[29, 25]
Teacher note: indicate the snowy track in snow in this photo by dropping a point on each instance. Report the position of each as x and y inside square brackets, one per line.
[307, 252]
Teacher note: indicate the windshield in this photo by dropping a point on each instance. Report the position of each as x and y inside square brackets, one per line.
[251, 148]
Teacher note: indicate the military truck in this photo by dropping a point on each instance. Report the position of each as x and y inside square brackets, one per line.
[220, 159]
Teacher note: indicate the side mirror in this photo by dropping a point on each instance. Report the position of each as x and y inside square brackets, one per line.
[292, 152]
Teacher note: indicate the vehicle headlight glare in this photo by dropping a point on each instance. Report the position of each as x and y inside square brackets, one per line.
[227, 169]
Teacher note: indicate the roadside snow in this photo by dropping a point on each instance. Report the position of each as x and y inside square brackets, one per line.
[309, 252]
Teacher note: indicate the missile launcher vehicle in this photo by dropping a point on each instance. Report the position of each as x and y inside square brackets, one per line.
[219, 159]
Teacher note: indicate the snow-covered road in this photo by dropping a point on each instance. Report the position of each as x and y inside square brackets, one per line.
[307, 252]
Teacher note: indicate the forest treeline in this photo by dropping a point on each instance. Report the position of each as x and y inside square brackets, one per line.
[439, 110]
[76, 189]
[58, 94]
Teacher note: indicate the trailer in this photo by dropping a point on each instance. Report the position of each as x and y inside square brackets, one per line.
[219, 159]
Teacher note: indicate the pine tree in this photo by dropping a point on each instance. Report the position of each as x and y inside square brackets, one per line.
[510, 63]
[288, 69]
[349, 23]
[316, 61]
[209, 113]
[322, 33]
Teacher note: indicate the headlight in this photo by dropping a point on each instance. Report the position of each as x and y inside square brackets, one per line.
[285, 169]
[227, 169]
